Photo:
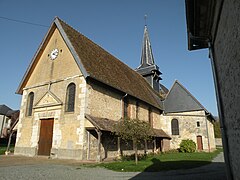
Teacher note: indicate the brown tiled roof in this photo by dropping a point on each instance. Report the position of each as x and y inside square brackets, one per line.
[105, 124]
[160, 133]
[104, 67]
[102, 124]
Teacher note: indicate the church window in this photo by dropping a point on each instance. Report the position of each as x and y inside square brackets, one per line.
[70, 97]
[198, 124]
[30, 104]
[175, 127]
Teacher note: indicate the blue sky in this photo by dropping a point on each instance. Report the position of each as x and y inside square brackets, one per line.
[118, 27]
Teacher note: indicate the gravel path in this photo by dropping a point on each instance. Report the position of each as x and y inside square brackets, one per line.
[22, 168]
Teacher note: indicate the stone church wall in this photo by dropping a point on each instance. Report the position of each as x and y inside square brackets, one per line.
[103, 102]
[188, 128]
[68, 127]
[53, 76]
[106, 103]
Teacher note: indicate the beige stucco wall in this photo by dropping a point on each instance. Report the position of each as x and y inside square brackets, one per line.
[62, 67]
[188, 128]
[54, 76]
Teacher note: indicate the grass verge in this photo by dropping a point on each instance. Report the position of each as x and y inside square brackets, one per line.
[162, 162]
[3, 148]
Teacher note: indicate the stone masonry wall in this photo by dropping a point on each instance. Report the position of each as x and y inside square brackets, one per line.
[106, 103]
[227, 61]
[188, 128]
[68, 130]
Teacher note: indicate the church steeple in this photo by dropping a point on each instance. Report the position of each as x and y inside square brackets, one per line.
[148, 69]
[147, 56]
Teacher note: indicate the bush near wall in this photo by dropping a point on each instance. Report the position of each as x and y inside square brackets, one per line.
[187, 146]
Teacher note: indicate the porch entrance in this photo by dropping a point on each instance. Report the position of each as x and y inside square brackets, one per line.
[45, 137]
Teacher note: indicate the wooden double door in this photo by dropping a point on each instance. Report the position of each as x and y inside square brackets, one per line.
[45, 137]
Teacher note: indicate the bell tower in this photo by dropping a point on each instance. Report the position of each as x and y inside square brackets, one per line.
[148, 69]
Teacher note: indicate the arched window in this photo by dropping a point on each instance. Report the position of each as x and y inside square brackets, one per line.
[70, 97]
[175, 127]
[30, 104]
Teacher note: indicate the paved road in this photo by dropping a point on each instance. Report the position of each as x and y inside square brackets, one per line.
[23, 168]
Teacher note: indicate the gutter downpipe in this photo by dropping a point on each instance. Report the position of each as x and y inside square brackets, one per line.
[206, 120]
[122, 108]
[220, 113]
[119, 139]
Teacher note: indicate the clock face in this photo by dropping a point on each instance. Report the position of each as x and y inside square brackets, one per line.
[54, 54]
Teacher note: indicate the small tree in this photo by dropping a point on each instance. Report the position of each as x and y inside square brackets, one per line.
[217, 131]
[135, 130]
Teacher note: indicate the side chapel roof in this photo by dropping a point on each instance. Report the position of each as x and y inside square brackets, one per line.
[94, 62]
[105, 124]
[179, 99]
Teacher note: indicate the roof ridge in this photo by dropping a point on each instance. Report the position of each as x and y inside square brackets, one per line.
[108, 61]
[70, 26]
[95, 43]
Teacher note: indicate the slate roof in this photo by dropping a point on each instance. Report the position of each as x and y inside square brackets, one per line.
[147, 65]
[105, 124]
[96, 63]
[147, 55]
[179, 99]
[4, 110]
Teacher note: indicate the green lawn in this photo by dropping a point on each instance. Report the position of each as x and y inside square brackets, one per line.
[4, 147]
[162, 162]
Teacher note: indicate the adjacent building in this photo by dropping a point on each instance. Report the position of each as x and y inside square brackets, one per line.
[8, 120]
[214, 24]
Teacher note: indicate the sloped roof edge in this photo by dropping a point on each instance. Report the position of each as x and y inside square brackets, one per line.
[71, 48]
[105, 124]
[177, 82]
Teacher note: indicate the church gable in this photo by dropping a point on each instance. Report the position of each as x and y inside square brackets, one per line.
[54, 60]
[179, 99]
[49, 99]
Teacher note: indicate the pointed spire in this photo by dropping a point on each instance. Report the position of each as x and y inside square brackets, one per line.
[147, 55]
[148, 69]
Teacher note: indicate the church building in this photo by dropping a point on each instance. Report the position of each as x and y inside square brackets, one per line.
[73, 92]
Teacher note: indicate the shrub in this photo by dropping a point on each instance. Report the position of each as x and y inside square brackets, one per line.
[187, 146]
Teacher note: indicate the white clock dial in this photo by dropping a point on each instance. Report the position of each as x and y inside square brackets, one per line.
[54, 54]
